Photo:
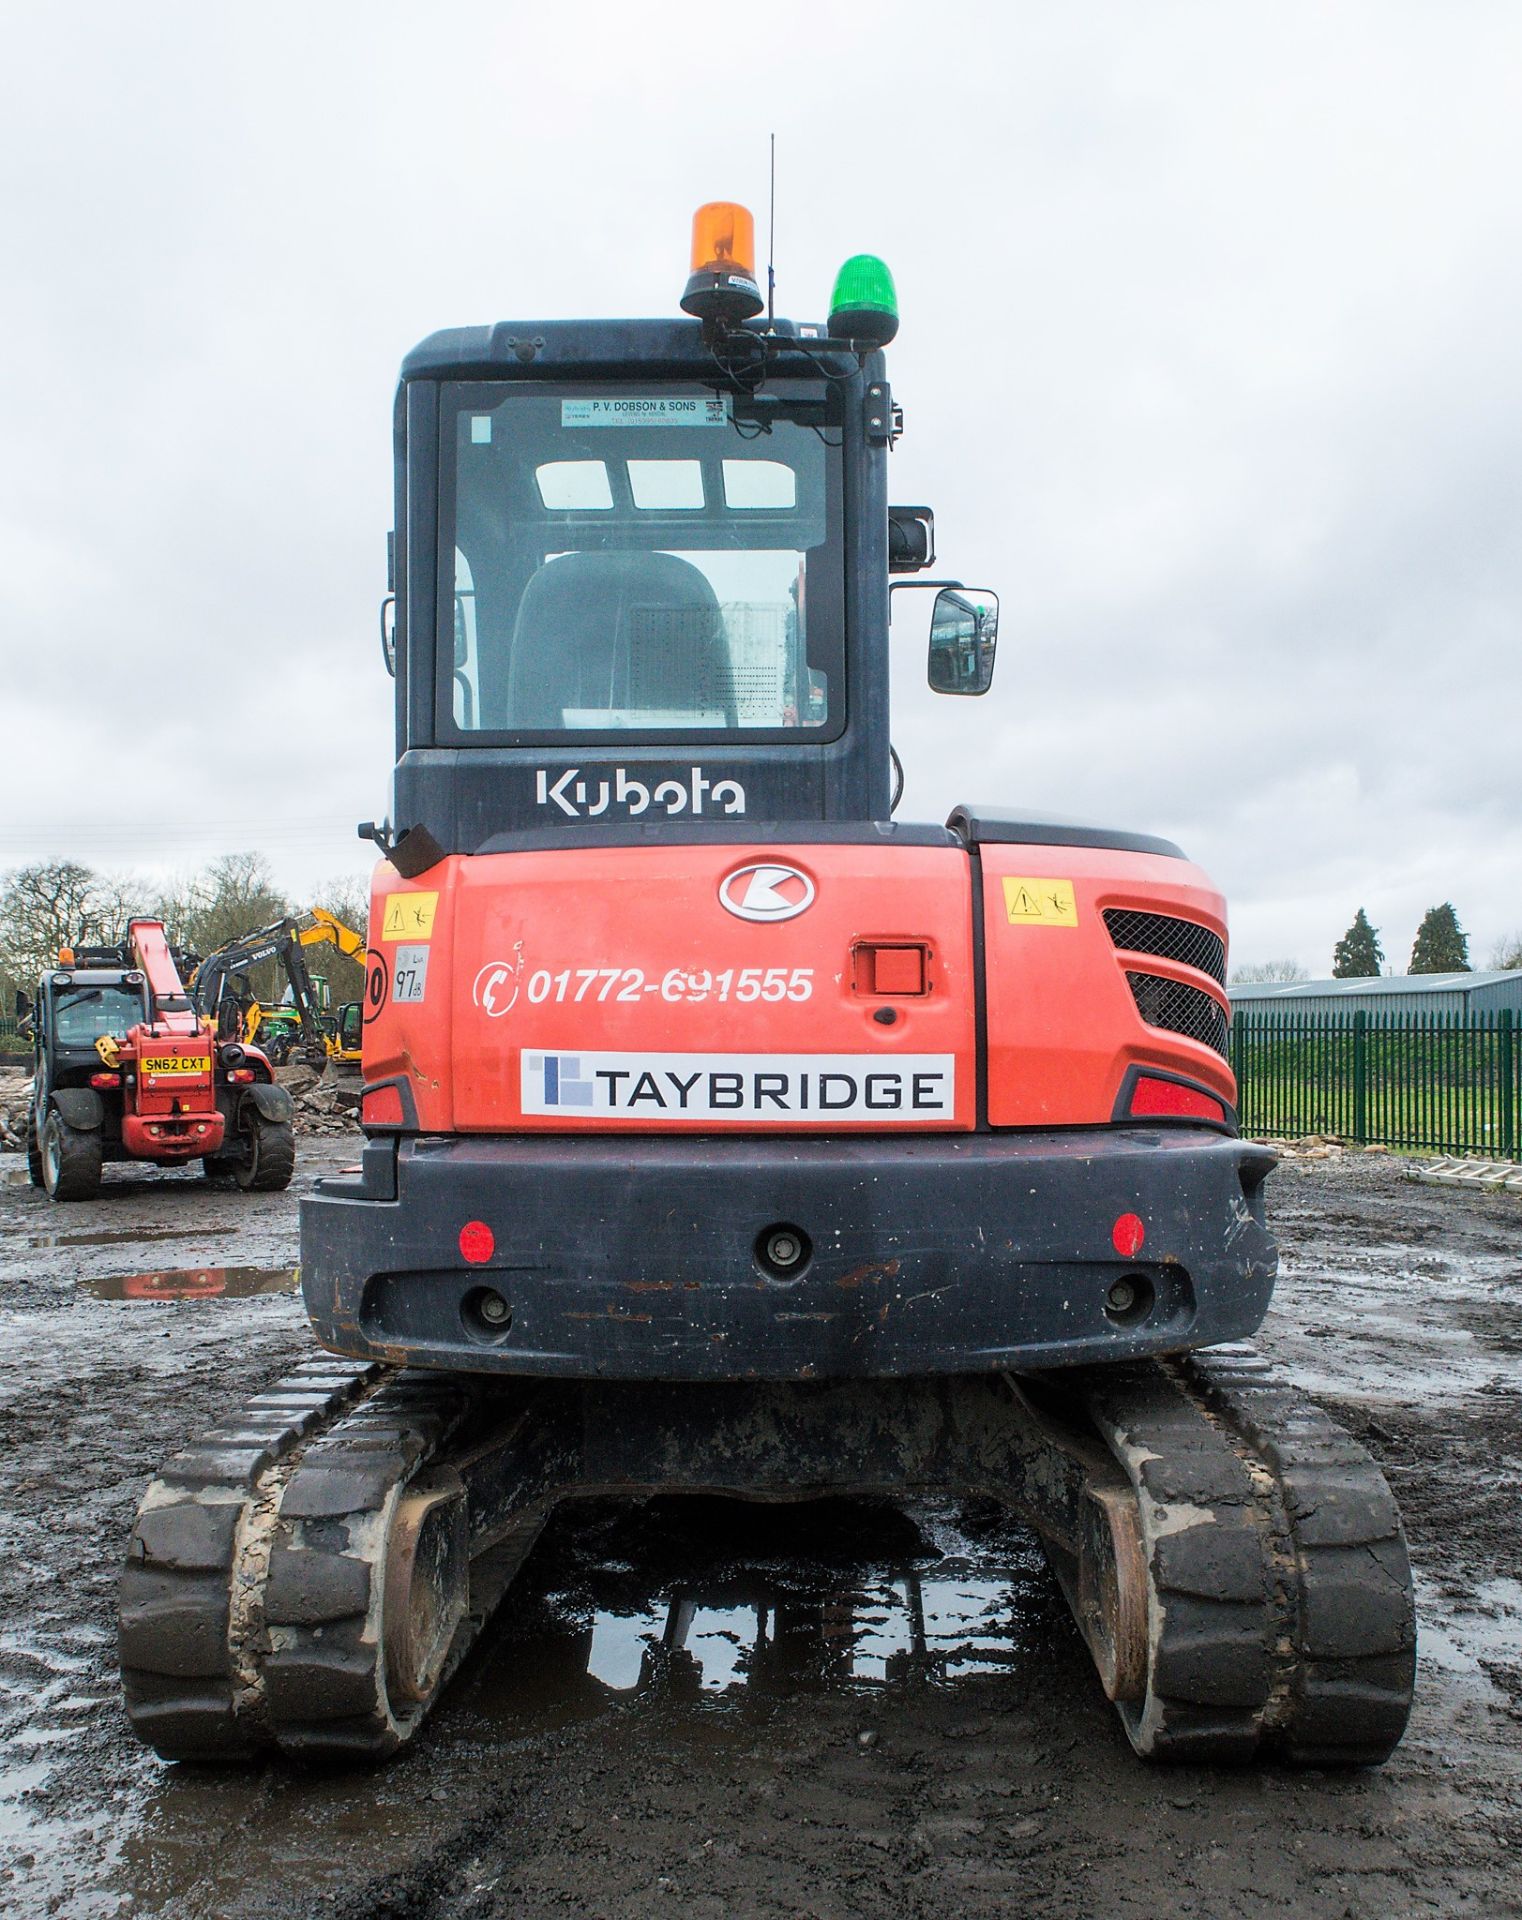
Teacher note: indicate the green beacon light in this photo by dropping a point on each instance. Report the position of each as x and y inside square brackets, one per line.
[864, 305]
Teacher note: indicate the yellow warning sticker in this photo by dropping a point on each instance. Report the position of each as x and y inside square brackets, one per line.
[1040, 903]
[409, 916]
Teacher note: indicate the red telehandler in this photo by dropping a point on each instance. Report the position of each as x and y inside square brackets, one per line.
[124, 1068]
[724, 1134]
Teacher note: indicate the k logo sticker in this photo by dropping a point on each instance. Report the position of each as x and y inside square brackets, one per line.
[766, 890]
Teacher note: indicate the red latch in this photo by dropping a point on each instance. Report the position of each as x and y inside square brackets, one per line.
[902, 968]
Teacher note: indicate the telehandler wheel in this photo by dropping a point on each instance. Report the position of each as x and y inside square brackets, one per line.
[33, 1152]
[270, 1159]
[70, 1160]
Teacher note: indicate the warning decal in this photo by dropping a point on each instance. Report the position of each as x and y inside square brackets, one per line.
[1040, 903]
[409, 916]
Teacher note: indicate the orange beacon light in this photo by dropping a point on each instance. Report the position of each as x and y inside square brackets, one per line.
[723, 283]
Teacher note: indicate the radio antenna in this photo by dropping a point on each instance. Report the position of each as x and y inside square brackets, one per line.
[771, 243]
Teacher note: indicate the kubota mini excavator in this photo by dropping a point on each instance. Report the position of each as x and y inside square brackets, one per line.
[726, 1135]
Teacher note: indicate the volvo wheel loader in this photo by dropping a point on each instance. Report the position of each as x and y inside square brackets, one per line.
[725, 1134]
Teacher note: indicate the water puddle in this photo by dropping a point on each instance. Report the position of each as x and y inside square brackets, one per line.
[716, 1602]
[193, 1283]
[116, 1237]
[1477, 1639]
[906, 1626]
[50, 1697]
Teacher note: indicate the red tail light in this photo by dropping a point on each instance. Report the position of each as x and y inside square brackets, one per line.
[1152, 1098]
[241, 1076]
[477, 1242]
[105, 1079]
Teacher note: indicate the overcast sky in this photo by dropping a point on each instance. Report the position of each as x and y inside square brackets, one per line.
[1210, 357]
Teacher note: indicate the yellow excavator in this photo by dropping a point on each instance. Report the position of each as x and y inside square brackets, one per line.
[302, 1025]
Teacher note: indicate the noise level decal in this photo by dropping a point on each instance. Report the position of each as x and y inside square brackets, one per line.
[1040, 903]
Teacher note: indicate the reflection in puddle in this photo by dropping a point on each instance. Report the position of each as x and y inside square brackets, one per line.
[907, 1627]
[117, 1237]
[724, 1601]
[195, 1283]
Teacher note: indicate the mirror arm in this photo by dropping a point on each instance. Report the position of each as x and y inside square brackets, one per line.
[919, 586]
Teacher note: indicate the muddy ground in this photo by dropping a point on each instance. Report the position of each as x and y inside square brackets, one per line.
[830, 1761]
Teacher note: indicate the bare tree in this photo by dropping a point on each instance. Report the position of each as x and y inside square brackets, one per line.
[54, 904]
[348, 900]
[225, 900]
[1258, 972]
[1507, 952]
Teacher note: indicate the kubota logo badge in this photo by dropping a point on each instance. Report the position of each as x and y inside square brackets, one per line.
[765, 891]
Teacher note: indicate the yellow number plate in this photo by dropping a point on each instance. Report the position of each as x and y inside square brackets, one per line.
[171, 1063]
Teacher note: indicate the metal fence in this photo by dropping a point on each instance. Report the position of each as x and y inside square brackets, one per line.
[1440, 1083]
[11, 1041]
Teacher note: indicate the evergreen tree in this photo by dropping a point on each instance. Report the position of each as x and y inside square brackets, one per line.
[1358, 955]
[1442, 946]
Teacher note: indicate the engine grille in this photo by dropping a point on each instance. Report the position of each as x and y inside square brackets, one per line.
[1170, 939]
[1179, 1009]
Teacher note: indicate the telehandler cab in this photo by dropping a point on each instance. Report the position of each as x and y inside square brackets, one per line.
[724, 1134]
[124, 1068]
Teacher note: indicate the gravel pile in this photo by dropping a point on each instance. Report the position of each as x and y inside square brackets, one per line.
[15, 1104]
[324, 1105]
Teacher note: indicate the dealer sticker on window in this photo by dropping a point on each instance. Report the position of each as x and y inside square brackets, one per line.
[740, 1088]
[647, 410]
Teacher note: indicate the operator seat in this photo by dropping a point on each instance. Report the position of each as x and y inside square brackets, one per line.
[620, 632]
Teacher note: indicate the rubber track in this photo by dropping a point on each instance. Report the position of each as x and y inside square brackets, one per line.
[324, 1686]
[182, 1690]
[1282, 1616]
[250, 1602]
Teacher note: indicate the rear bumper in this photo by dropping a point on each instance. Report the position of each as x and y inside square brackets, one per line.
[156, 1136]
[627, 1258]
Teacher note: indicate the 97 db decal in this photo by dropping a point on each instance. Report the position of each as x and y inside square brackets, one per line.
[740, 1087]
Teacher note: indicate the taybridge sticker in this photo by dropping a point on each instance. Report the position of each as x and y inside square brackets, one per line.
[409, 916]
[1040, 903]
[740, 1087]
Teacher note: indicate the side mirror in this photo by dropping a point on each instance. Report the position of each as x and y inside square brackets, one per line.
[964, 634]
[388, 633]
[23, 1004]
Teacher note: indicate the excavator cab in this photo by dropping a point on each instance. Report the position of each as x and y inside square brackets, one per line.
[725, 1133]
